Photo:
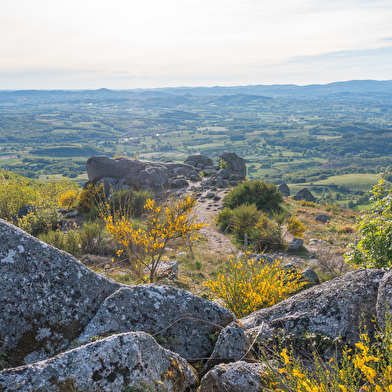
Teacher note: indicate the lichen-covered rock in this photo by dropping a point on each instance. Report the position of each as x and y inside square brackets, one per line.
[384, 299]
[165, 269]
[310, 276]
[198, 160]
[234, 377]
[322, 218]
[234, 163]
[189, 319]
[284, 190]
[154, 176]
[232, 345]
[47, 297]
[131, 360]
[304, 194]
[295, 244]
[334, 308]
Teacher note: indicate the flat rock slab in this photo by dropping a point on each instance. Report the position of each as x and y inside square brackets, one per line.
[186, 321]
[335, 308]
[47, 297]
[131, 360]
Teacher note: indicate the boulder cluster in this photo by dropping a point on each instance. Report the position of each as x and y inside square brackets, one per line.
[64, 327]
[125, 173]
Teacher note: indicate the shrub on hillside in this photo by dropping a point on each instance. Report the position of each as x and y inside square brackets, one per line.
[265, 196]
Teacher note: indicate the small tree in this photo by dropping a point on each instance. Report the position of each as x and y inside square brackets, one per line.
[374, 249]
[145, 247]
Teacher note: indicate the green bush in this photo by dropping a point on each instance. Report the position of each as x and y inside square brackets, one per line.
[41, 220]
[69, 241]
[120, 202]
[139, 200]
[245, 216]
[224, 220]
[91, 237]
[265, 196]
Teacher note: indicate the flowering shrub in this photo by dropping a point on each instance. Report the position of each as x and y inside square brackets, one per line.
[248, 286]
[69, 200]
[90, 197]
[366, 367]
[295, 227]
[144, 247]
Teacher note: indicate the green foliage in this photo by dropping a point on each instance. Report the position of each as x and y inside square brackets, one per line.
[295, 227]
[69, 240]
[41, 220]
[223, 164]
[265, 196]
[139, 200]
[374, 249]
[245, 217]
[91, 237]
[91, 196]
[224, 219]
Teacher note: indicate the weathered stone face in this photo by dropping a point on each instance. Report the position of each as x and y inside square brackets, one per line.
[199, 161]
[234, 163]
[47, 297]
[384, 299]
[284, 190]
[134, 360]
[304, 194]
[334, 308]
[151, 308]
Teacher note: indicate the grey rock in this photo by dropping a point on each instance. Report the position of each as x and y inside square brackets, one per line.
[335, 308]
[199, 161]
[47, 297]
[234, 163]
[384, 299]
[304, 194]
[225, 174]
[179, 183]
[220, 182]
[295, 244]
[310, 276]
[232, 345]
[234, 377]
[165, 269]
[284, 189]
[322, 218]
[194, 177]
[131, 360]
[181, 169]
[154, 176]
[152, 308]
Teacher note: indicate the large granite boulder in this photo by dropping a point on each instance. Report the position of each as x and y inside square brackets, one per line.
[334, 308]
[181, 321]
[234, 163]
[127, 362]
[284, 190]
[154, 176]
[234, 377]
[304, 194]
[199, 161]
[322, 218]
[47, 297]
[384, 299]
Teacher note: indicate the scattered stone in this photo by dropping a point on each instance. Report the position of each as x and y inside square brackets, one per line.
[181, 254]
[181, 321]
[200, 161]
[234, 377]
[165, 269]
[132, 361]
[225, 174]
[284, 190]
[304, 194]
[47, 297]
[216, 197]
[234, 163]
[194, 177]
[310, 276]
[210, 195]
[220, 182]
[315, 241]
[322, 218]
[179, 183]
[295, 244]
[232, 345]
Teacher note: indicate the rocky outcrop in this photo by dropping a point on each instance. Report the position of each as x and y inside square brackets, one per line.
[322, 218]
[284, 190]
[234, 163]
[199, 161]
[304, 194]
[234, 377]
[334, 308]
[384, 299]
[131, 361]
[295, 244]
[47, 297]
[181, 321]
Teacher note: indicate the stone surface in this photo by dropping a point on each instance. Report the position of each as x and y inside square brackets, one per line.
[234, 163]
[152, 308]
[334, 308]
[165, 269]
[232, 345]
[179, 183]
[220, 182]
[322, 218]
[384, 299]
[234, 377]
[47, 297]
[225, 174]
[154, 176]
[199, 161]
[295, 244]
[131, 360]
[310, 276]
[304, 194]
[284, 190]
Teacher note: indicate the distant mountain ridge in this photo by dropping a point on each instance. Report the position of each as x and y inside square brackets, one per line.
[338, 90]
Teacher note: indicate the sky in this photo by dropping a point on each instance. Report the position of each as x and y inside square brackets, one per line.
[126, 44]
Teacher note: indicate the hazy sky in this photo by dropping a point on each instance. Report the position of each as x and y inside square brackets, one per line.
[119, 44]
